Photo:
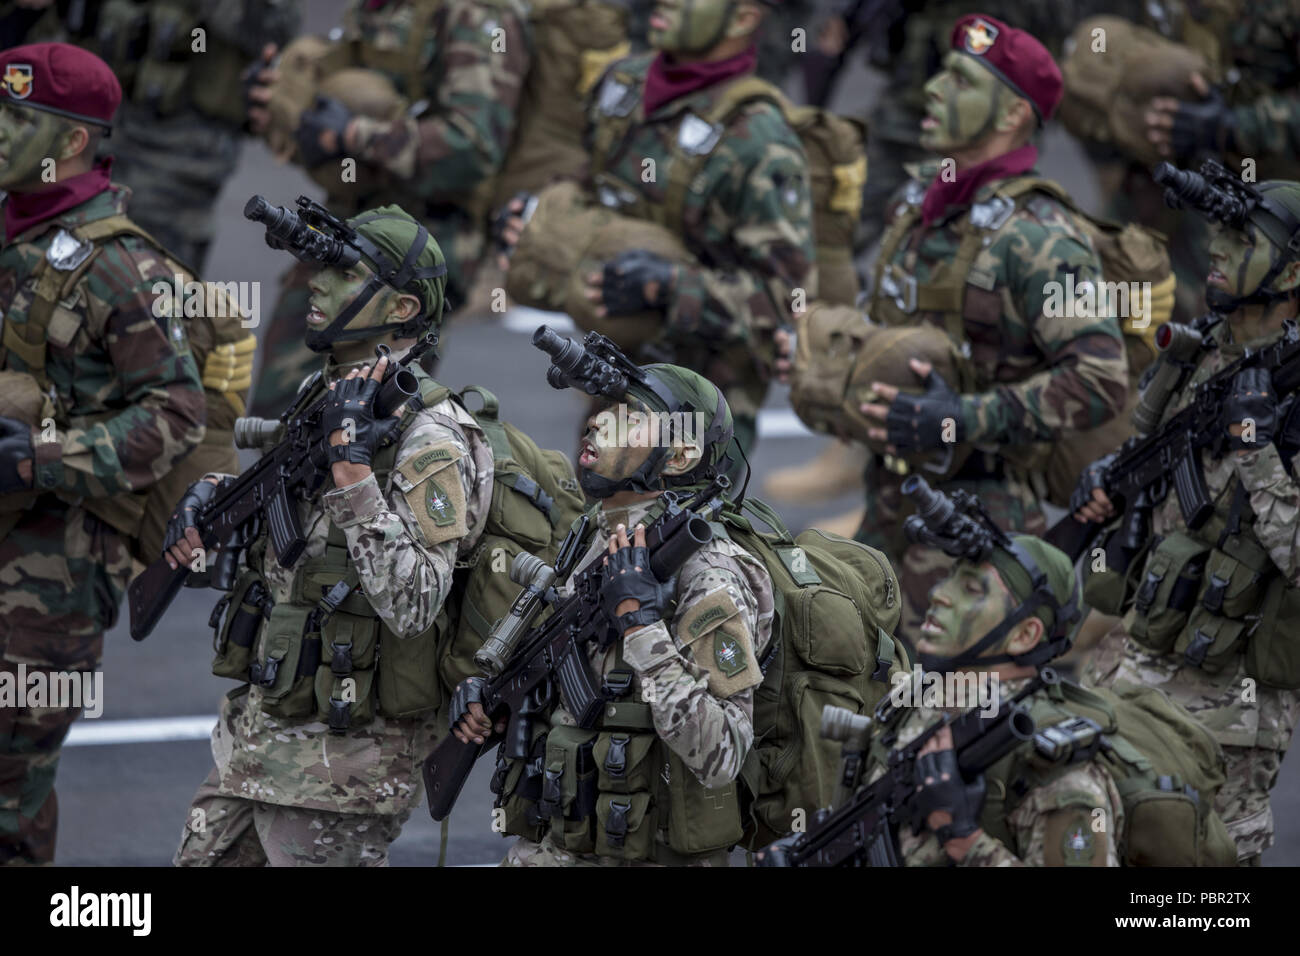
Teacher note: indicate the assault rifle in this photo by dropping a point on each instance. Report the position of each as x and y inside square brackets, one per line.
[864, 830]
[268, 493]
[526, 668]
[1146, 467]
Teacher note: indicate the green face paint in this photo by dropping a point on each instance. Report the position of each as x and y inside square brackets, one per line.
[615, 446]
[27, 137]
[962, 103]
[332, 290]
[689, 26]
[964, 607]
[1239, 260]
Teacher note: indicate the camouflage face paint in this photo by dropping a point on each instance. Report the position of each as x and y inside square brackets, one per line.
[962, 103]
[332, 290]
[964, 607]
[689, 26]
[26, 138]
[1239, 260]
[611, 451]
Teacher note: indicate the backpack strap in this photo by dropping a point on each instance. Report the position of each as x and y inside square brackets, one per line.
[686, 165]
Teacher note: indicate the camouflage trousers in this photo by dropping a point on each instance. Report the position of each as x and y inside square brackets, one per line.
[1250, 772]
[1011, 503]
[31, 741]
[62, 577]
[176, 167]
[231, 831]
[527, 852]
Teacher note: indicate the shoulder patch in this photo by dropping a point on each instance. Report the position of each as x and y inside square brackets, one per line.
[719, 642]
[1069, 839]
[434, 492]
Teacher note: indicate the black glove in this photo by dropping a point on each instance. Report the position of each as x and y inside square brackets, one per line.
[1252, 397]
[1089, 479]
[186, 513]
[1206, 125]
[497, 228]
[469, 691]
[628, 576]
[15, 445]
[326, 113]
[915, 422]
[626, 275]
[963, 800]
[352, 400]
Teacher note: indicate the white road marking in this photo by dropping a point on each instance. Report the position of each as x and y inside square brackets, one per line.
[103, 733]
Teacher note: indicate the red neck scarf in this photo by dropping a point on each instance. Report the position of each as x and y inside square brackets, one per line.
[961, 190]
[666, 81]
[25, 210]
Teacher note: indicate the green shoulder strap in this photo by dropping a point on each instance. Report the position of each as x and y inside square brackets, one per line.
[609, 130]
[685, 166]
[488, 419]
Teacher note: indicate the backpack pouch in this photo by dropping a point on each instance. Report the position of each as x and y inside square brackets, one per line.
[1167, 590]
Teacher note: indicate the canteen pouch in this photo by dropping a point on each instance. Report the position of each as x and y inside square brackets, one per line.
[408, 671]
[1273, 650]
[1159, 820]
[245, 608]
[1167, 590]
[1111, 589]
[622, 762]
[625, 826]
[1208, 641]
[569, 787]
[285, 692]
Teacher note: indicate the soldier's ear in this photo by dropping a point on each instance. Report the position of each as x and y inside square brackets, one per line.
[403, 306]
[685, 456]
[1288, 280]
[74, 141]
[1025, 636]
[745, 20]
[1016, 116]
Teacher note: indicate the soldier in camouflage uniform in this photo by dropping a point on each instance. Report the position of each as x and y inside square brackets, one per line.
[746, 217]
[1035, 377]
[670, 750]
[463, 65]
[975, 622]
[1209, 646]
[123, 403]
[315, 759]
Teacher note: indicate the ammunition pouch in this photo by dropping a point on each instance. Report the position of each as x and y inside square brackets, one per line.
[1273, 650]
[1167, 590]
[236, 621]
[1111, 590]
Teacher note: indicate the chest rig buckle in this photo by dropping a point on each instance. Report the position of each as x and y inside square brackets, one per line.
[616, 98]
[991, 213]
[899, 286]
[697, 136]
[66, 251]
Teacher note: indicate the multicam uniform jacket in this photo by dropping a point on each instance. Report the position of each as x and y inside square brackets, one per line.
[1038, 376]
[747, 219]
[1052, 825]
[404, 551]
[697, 669]
[1253, 721]
[128, 404]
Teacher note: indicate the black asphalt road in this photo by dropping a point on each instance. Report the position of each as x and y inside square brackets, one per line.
[125, 804]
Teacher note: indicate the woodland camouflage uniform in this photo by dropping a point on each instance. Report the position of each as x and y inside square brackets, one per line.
[1037, 378]
[128, 405]
[747, 220]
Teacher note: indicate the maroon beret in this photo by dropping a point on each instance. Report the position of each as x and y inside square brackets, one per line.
[60, 78]
[1014, 57]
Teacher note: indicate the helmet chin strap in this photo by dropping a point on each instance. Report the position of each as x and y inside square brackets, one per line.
[649, 477]
[397, 277]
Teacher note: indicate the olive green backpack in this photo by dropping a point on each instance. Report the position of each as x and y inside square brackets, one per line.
[535, 499]
[837, 605]
[1166, 766]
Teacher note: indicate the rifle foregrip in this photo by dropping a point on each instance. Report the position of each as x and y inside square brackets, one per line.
[445, 771]
[151, 593]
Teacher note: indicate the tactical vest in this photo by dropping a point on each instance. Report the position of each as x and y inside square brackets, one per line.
[1166, 768]
[835, 148]
[1127, 253]
[328, 633]
[226, 372]
[150, 47]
